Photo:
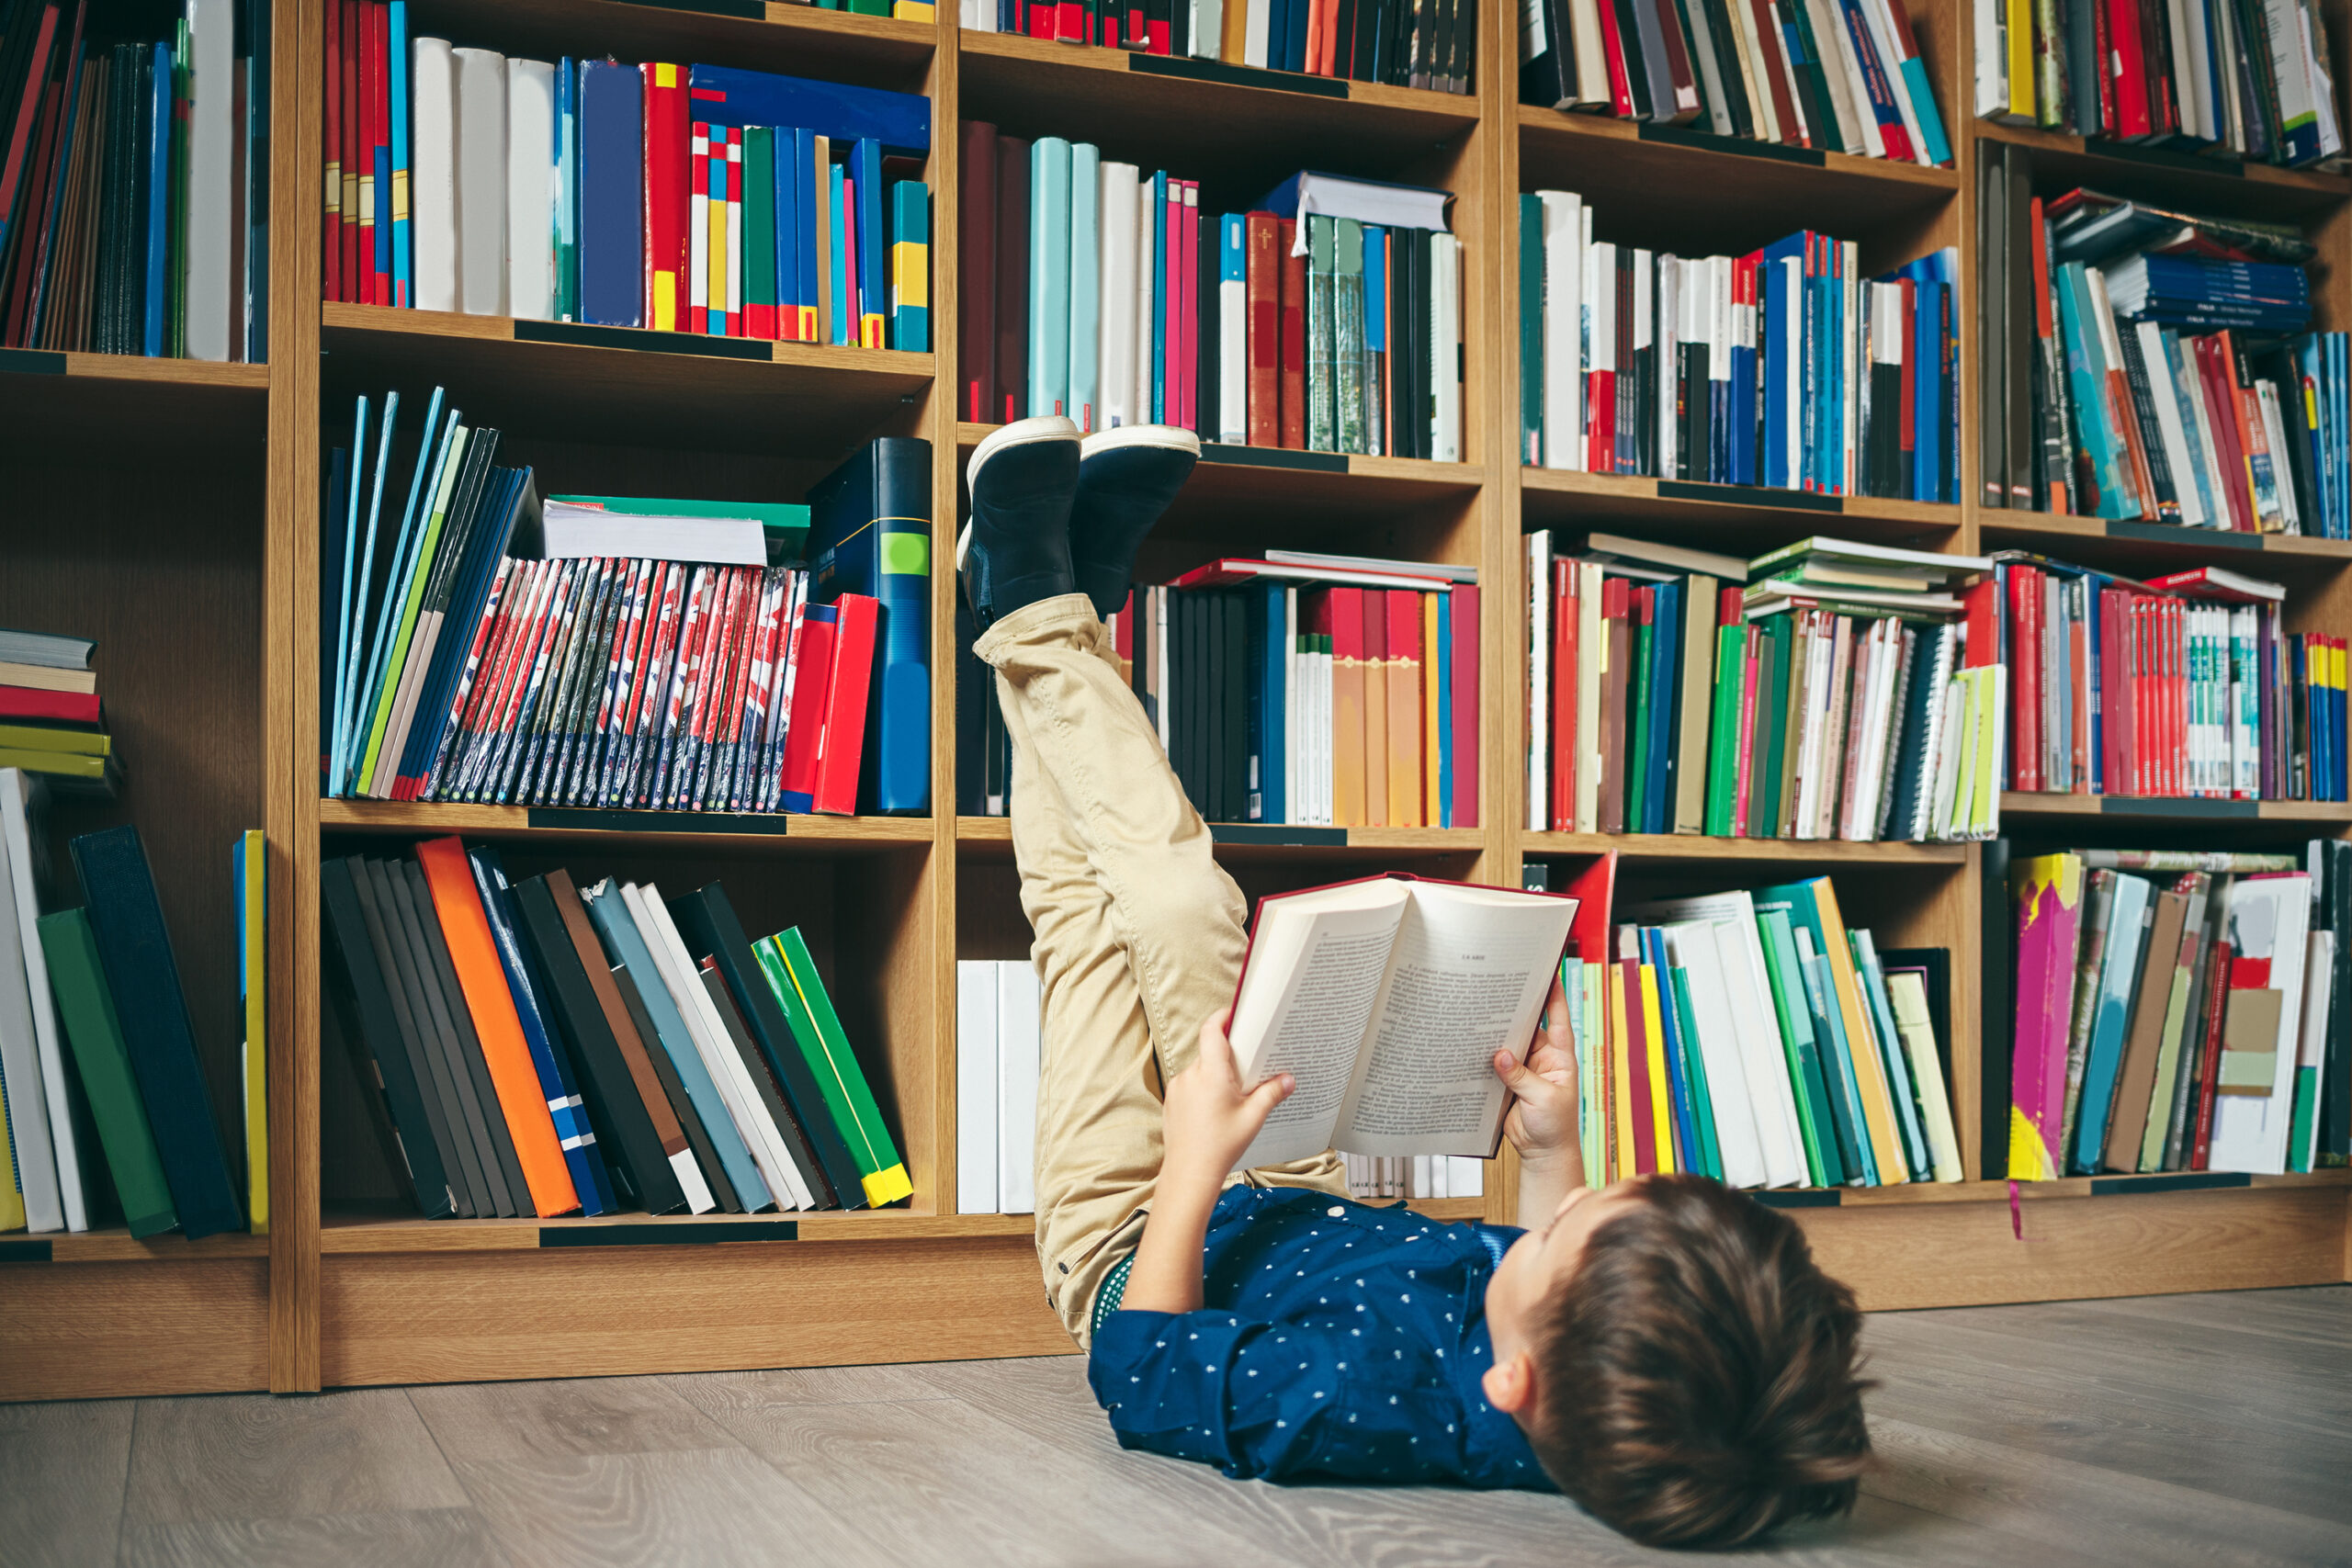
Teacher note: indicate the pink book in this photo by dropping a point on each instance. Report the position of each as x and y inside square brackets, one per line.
[1466, 706]
[2049, 890]
[1171, 306]
[1191, 363]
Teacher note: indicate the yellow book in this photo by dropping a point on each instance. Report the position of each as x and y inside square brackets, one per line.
[1620, 1105]
[42, 737]
[12, 1202]
[253, 967]
[2020, 72]
[1661, 1101]
[1870, 1068]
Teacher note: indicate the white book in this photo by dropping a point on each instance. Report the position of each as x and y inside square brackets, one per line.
[1084, 351]
[1232, 417]
[1445, 347]
[1466, 1177]
[2269, 917]
[1690, 947]
[530, 189]
[1208, 27]
[698, 231]
[1592, 64]
[1019, 1003]
[1848, 98]
[1992, 63]
[2187, 484]
[2310, 1056]
[1386, 1000]
[1564, 439]
[1751, 68]
[976, 1079]
[1115, 368]
[1674, 307]
[1254, 42]
[1294, 719]
[433, 174]
[211, 158]
[481, 162]
[49, 1168]
[1420, 1183]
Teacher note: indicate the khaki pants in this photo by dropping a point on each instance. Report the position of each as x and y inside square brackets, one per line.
[1140, 938]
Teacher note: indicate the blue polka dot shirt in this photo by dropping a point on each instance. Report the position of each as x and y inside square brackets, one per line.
[1336, 1340]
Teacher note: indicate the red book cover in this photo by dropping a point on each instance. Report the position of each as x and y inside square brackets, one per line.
[2131, 122]
[1156, 35]
[2215, 360]
[518, 603]
[1637, 1076]
[410, 786]
[31, 702]
[1293, 345]
[842, 748]
[330, 229]
[1171, 303]
[1620, 90]
[2164, 111]
[726, 162]
[1069, 24]
[642, 716]
[707, 679]
[2135, 687]
[1138, 35]
[811, 688]
[1311, 60]
[668, 151]
[1773, 67]
[1263, 231]
[1465, 705]
[2103, 46]
[1042, 17]
[975, 282]
[2176, 696]
[40, 164]
[2209, 1061]
[354, 36]
[2044, 328]
[1980, 610]
[2078, 640]
[698, 189]
[379, 138]
[2021, 701]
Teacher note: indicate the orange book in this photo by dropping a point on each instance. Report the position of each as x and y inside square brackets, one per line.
[1338, 614]
[1375, 607]
[1404, 665]
[1432, 776]
[483, 979]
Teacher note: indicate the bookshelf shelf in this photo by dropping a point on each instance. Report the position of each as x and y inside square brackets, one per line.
[112, 1244]
[2185, 179]
[1740, 516]
[80, 399]
[682, 830]
[766, 34]
[2154, 810]
[992, 837]
[2058, 532]
[1693, 849]
[1679, 151]
[1280, 476]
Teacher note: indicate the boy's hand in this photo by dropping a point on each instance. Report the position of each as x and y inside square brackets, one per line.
[1208, 1117]
[1543, 1122]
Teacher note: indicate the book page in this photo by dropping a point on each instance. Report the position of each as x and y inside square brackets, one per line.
[1314, 976]
[1468, 978]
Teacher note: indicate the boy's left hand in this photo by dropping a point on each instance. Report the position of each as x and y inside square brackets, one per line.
[1208, 1118]
[1543, 1122]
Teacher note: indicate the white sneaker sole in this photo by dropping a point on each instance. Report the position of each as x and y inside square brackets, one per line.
[1174, 437]
[1019, 432]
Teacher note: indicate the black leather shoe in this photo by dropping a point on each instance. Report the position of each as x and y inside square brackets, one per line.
[1127, 477]
[1016, 548]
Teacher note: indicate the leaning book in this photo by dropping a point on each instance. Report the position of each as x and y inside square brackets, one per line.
[1387, 999]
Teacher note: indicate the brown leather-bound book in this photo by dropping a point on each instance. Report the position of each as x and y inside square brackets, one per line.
[1373, 608]
[1677, 62]
[975, 282]
[1772, 64]
[1616, 608]
[1403, 610]
[1011, 279]
[2127, 1118]
[1294, 343]
[1265, 327]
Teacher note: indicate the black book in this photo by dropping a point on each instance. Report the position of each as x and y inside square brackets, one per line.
[764, 1080]
[2152, 435]
[1812, 76]
[1364, 51]
[1421, 35]
[2082, 68]
[135, 952]
[443, 1112]
[1992, 331]
[430, 1009]
[365, 1012]
[2023, 340]
[1997, 1015]
[469, 1044]
[1210, 714]
[708, 925]
[2273, 363]
[611, 1090]
[1195, 687]
[1406, 287]
[697, 1135]
[1236, 687]
[1548, 78]
[975, 694]
[1442, 30]
[2336, 1096]
[1212, 415]
[1721, 28]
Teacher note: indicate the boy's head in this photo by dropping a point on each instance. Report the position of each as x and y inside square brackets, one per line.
[1681, 1366]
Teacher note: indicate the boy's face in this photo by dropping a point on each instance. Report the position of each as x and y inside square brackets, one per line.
[1537, 1265]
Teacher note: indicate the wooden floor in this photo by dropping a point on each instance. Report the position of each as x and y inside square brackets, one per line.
[2193, 1429]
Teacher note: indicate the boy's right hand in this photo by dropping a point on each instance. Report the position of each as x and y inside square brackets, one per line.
[1208, 1117]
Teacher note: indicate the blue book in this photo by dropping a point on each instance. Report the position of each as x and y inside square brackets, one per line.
[431, 452]
[580, 1154]
[1161, 304]
[564, 158]
[1294, 40]
[349, 675]
[842, 327]
[873, 294]
[1777, 293]
[1269, 710]
[1666, 657]
[869, 532]
[1085, 284]
[1871, 981]
[515, 504]
[791, 163]
[2119, 976]
[1927, 397]
[1375, 336]
[1048, 276]
[911, 267]
[1445, 813]
[396, 51]
[157, 145]
[624, 944]
[1678, 1061]
[809, 201]
[612, 194]
[723, 95]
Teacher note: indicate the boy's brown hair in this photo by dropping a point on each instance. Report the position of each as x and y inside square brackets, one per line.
[1697, 1375]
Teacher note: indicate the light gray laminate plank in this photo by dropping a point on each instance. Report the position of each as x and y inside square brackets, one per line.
[574, 1417]
[810, 1385]
[704, 1508]
[61, 1471]
[2047, 1502]
[421, 1537]
[2309, 1315]
[256, 1457]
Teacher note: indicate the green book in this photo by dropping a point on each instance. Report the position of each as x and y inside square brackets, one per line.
[1347, 333]
[1772, 731]
[759, 231]
[1530, 329]
[1702, 1109]
[41, 737]
[1322, 246]
[792, 975]
[1637, 747]
[784, 523]
[1804, 1048]
[1722, 737]
[452, 461]
[86, 1009]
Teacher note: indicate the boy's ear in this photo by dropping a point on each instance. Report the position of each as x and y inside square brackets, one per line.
[1511, 1384]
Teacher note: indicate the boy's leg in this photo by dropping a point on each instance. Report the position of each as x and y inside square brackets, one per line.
[1138, 936]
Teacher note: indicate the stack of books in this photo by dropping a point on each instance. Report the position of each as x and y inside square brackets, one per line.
[134, 182]
[1754, 1038]
[2180, 1010]
[2188, 685]
[621, 651]
[1328, 320]
[1415, 1175]
[1841, 78]
[1827, 690]
[507, 1022]
[687, 198]
[92, 1016]
[1302, 689]
[50, 721]
[2235, 81]
[1784, 366]
[1430, 45]
[2146, 364]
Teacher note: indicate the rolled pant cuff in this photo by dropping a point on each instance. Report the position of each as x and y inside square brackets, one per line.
[1062, 612]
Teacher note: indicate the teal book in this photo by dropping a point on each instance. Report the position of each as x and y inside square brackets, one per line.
[843, 322]
[1530, 329]
[1347, 327]
[911, 266]
[1084, 397]
[1322, 248]
[1890, 1043]
[2127, 933]
[1375, 344]
[1048, 276]
[1709, 1156]
[1829, 1027]
[1637, 745]
[1825, 1157]
[86, 1009]
[2087, 379]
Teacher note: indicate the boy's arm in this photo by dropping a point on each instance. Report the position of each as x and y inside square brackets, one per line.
[1541, 1124]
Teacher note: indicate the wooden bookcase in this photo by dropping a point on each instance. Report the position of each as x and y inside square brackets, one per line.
[172, 509]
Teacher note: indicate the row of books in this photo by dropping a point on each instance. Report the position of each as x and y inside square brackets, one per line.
[2180, 1010]
[100, 1087]
[2184, 685]
[1755, 1038]
[1329, 319]
[1825, 690]
[2238, 80]
[542, 1050]
[134, 182]
[621, 651]
[1838, 75]
[2148, 364]
[1783, 367]
[688, 199]
[1414, 1176]
[1404, 43]
[51, 723]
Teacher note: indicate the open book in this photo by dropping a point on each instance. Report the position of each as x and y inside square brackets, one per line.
[1387, 999]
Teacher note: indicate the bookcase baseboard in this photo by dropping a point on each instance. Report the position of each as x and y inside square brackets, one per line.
[118, 1329]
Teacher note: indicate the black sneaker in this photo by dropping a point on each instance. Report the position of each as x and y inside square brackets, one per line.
[1015, 549]
[1127, 477]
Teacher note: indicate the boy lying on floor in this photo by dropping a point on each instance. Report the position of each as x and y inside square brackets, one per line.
[1663, 1351]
